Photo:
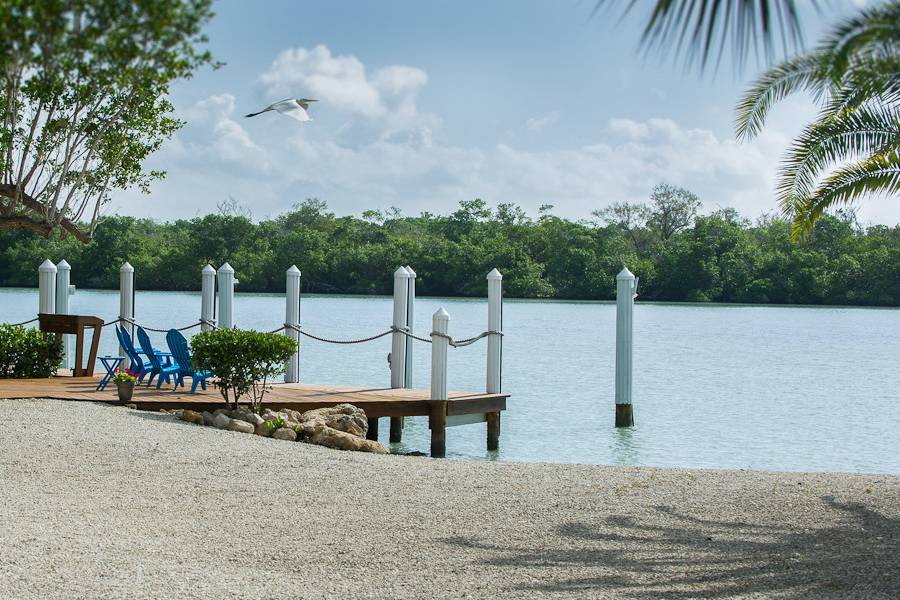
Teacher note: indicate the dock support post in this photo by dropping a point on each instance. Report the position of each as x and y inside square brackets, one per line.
[494, 352]
[372, 433]
[207, 298]
[410, 325]
[437, 421]
[292, 317]
[63, 290]
[126, 307]
[399, 342]
[226, 296]
[625, 293]
[47, 288]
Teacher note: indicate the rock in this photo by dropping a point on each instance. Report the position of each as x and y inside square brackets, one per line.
[343, 417]
[283, 433]
[248, 416]
[131, 406]
[263, 430]
[208, 418]
[316, 432]
[222, 411]
[177, 412]
[291, 424]
[293, 415]
[221, 420]
[240, 426]
[191, 416]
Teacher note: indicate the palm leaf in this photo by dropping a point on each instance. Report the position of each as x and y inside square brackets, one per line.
[834, 138]
[878, 175]
[807, 72]
[703, 28]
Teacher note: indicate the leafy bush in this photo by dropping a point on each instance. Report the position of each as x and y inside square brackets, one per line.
[242, 360]
[27, 352]
[274, 424]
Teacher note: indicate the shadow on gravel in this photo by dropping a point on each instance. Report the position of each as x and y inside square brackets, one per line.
[701, 558]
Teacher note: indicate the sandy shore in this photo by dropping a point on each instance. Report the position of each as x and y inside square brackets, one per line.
[106, 502]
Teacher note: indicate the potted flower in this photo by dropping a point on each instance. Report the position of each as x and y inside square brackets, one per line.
[124, 380]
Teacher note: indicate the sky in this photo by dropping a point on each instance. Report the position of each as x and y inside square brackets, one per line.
[425, 104]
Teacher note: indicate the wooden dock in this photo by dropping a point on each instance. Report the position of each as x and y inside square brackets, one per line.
[459, 409]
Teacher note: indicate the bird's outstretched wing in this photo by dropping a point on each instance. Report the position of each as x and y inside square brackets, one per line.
[287, 102]
[295, 112]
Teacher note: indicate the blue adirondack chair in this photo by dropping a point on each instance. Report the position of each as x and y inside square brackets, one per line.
[138, 366]
[178, 346]
[163, 371]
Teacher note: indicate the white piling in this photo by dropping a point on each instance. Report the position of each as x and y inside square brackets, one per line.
[292, 317]
[410, 324]
[398, 340]
[440, 326]
[63, 290]
[625, 291]
[207, 298]
[126, 306]
[495, 323]
[437, 420]
[226, 296]
[47, 288]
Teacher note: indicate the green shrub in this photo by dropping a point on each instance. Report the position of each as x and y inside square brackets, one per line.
[276, 423]
[242, 361]
[27, 352]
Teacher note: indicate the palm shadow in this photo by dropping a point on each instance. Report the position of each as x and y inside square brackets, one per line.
[704, 558]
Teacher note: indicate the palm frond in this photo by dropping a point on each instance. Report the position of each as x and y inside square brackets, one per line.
[878, 175]
[874, 27]
[834, 138]
[871, 78]
[802, 73]
[703, 28]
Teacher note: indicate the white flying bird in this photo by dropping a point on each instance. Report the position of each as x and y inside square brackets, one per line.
[296, 108]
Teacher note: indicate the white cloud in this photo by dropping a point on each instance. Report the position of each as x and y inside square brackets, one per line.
[397, 160]
[538, 123]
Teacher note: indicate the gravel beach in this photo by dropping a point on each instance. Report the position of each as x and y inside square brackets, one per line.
[106, 502]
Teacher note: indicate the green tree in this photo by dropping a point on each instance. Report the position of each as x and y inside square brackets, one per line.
[852, 149]
[84, 101]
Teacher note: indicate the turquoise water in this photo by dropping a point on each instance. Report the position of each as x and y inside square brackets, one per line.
[761, 387]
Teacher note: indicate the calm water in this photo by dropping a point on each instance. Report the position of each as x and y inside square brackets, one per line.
[761, 387]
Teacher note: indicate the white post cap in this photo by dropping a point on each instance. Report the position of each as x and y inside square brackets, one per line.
[63, 265]
[401, 272]
[293, 271]
[209, 270]
[495, 274]
[441, 314]
[126, 267]
[226, 268]
[47, 267]
[625, 274]
[409, 270]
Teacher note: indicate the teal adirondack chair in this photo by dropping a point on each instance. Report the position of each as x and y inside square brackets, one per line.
[163, 371]
[178, 346]
[140, 368]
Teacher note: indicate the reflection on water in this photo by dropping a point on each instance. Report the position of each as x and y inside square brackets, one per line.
[784, 388]
[623, 448]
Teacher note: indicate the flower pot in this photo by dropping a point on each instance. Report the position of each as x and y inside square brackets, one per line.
[126, 389]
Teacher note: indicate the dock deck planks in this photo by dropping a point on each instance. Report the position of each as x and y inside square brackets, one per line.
[376, 402]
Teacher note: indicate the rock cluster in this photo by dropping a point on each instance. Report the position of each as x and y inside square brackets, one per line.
[343, 426]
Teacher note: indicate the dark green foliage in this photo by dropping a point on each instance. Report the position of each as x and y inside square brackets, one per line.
[719, 257]
[242, 361]
[27, 352]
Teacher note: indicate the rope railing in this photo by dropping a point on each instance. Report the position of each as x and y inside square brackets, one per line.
[23, 322]
[403, 330]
